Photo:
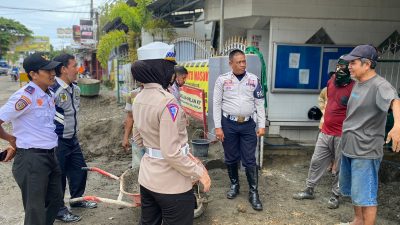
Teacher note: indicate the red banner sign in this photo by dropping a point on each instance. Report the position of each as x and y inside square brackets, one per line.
[193, 103]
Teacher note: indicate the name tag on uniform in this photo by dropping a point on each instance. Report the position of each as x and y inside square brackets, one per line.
[228, 85]
[251, 83]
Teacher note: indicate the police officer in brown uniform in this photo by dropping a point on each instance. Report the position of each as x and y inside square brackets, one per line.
[166, 170]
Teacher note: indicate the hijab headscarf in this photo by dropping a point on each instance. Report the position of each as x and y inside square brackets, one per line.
[158, 71]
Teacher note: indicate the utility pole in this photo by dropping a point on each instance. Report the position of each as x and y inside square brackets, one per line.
[91, 9]
[221, 28]
[97, 27]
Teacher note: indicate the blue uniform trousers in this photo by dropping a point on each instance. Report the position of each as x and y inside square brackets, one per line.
[71, 161]
[240, 142]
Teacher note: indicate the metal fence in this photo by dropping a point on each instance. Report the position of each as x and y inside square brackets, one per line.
[189, 49]
[234, 43]
[389, 63]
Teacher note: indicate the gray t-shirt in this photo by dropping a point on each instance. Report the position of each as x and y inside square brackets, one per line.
[364, 126]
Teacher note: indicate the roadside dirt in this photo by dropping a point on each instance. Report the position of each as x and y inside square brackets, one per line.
[100, 135]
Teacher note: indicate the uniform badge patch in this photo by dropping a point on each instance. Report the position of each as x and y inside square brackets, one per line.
[22, 103]
[63, 97]
[173, 110]
[251, 83]
[30, 89]
[39, 101]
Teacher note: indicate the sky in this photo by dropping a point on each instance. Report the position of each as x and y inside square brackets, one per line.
[46, 23]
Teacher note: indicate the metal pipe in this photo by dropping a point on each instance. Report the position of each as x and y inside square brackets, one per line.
[221, 28]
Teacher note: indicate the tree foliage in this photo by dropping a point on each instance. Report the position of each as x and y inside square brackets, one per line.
[11, 31]
[104, 17]
[160, 27]
[137, 19]
[53, 53]
[107, 43]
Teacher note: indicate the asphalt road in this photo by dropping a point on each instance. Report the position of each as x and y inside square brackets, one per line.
[7, 87]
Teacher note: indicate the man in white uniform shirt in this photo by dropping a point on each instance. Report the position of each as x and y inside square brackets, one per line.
[31, 111]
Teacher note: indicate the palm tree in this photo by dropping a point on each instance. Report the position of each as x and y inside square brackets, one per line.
[137, 19]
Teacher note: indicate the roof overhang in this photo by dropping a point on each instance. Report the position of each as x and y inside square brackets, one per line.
[180, 13]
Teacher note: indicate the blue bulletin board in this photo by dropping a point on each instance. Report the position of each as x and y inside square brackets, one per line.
[329, 60]
[303, 68]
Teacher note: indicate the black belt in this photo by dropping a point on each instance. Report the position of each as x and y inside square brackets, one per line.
[38, 150]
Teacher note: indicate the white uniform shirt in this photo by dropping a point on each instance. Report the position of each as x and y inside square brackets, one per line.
[31, 112]
[174, 90]
[238, 98]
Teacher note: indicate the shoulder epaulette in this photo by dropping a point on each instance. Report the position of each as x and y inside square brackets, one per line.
[30, 89]
[225, 74]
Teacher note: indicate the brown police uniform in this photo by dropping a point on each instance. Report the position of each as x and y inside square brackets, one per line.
[165, 181]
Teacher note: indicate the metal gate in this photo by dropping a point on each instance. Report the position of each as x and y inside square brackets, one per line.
[234, 43]
[189, 49]
[389, 63]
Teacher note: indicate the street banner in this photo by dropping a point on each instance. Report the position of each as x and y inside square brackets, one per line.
[76, 33]
[86, 31]
[36, 43]
[198, 77]
[64, 33]
[193, 103]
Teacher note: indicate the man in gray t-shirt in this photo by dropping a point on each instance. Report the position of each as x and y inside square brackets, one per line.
[363, 133]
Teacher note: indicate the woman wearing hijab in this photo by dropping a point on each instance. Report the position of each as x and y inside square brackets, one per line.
[167, 169]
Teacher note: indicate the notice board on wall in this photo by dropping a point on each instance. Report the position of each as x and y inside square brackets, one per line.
[304, 68]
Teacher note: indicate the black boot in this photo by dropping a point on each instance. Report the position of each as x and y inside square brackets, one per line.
[252, 178]
[308, 193]
[234, 177]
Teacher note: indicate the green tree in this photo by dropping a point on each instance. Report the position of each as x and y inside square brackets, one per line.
[137, 19]
[161, 27]
[104, 17]
[10, 32]
[53, 53]
[107, 43]
[12, 57]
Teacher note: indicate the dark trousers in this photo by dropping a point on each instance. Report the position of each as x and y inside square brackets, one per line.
[71, 161]
[240, 142]
[38, 177]
[167, 209]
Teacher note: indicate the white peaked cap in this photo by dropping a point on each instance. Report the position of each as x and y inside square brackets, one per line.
[156, 50]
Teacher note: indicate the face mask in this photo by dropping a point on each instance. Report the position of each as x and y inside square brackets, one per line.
[342, 77]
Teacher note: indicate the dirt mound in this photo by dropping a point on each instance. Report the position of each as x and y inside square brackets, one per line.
[102, 138]
[101, 126]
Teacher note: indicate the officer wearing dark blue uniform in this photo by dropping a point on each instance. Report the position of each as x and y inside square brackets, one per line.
[31, 111]
[69, 153]
[237, 96]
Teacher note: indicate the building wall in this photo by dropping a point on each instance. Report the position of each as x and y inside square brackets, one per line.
[287, 110]
[344, 9]
[200, 31]
[232, 9]
[295, 21]
[260, 39]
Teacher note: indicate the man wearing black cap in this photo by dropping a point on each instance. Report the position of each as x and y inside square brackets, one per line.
[31, 111]
[363, 133]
